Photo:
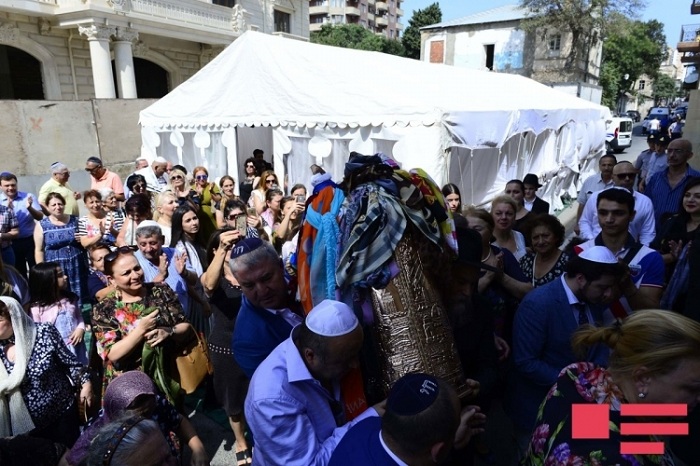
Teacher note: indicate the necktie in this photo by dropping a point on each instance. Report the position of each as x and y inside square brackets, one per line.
[582, 316]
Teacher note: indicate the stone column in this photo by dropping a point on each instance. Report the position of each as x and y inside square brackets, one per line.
[124, 62]
[98, 37]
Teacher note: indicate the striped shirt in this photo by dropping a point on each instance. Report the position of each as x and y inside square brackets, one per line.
[665, 198]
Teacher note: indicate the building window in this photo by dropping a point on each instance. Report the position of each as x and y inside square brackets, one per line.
[282, 21]
[228, 3]
[555, 43]
[642, 84]
[489, 49]
[20, 75]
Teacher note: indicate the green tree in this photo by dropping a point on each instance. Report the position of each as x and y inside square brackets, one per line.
[411, 36]
[632, 48]
[354, 36]
[664, 88]
[586, 20]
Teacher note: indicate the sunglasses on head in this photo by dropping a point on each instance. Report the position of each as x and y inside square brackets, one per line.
[176, 177]
[120, 250]
[201, 177]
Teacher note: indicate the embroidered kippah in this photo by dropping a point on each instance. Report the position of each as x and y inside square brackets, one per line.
[245, 246]
[412, 394]
[331, 319]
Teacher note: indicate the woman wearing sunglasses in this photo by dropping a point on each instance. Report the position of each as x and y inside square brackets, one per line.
[133, 316]
[179, 186]
[210, 195]
[251, 173]
[268, 180]
[230, 214]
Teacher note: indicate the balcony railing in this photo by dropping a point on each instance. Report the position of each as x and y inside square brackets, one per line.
[690, 32]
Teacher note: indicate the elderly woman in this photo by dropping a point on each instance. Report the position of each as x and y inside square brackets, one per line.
[225, 297]
[98, 224]
[547, 262]
[55, 240]
[268, 180]
[110, 204]
[134, 393]
[133, 316]
[503, 210]
[37, 376]
[655, 359]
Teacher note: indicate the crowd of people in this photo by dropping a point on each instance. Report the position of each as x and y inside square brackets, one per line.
[538, 323]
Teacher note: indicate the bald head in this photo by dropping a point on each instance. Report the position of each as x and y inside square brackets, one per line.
[679, 151]
[624, 174]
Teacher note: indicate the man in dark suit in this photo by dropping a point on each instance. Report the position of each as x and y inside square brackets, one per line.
[544, 323]
[533, 203]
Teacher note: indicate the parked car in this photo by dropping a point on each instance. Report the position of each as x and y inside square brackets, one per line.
[681, 110]
[619, 134]
[635, 115]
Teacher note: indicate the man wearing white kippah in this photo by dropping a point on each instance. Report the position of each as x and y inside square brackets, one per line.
[542, 329]
[58, 183]
[294, 407]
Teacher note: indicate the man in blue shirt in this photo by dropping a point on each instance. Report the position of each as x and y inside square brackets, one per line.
[294, 407]
[27, 210]
[665, 188]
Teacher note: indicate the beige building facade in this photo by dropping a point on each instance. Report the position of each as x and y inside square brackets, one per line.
[381, 17]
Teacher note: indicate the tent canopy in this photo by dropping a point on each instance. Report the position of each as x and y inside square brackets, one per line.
[263, 80]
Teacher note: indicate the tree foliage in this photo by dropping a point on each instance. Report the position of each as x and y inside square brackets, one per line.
[664, 88]
[588, 21]
[354, 36]
[632, 48]
[411, 36]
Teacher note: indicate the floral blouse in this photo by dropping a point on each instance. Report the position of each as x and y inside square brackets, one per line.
[113, 319]
[552, 443]
[52, 371]
[527, 265]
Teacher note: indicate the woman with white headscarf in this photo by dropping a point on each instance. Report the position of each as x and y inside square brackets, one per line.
[36, 394]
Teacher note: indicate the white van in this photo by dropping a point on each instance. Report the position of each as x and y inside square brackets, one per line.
[619, 134]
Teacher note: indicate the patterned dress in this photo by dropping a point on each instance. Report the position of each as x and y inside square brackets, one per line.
[61, 246]
[113, 319]
[527, 266]
[552, 443]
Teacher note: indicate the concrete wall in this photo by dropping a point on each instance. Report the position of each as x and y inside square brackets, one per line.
[691, 131]
[34, 134]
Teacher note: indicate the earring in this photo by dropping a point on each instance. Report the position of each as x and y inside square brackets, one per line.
[641, 395]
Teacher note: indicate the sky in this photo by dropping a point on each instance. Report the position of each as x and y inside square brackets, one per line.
[673, 13]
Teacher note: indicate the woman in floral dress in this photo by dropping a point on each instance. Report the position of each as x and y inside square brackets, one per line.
[55, 241]
[655, 358]
[136, 315]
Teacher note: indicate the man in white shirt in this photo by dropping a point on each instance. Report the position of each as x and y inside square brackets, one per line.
[595, 183]
[642, 227]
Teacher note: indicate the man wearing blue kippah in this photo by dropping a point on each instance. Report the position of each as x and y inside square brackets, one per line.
[293, 406]
[266, 316]
[420, 426]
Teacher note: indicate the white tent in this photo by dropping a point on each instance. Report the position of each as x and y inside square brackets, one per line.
[307, 103]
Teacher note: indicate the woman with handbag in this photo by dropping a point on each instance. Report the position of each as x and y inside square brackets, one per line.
[225, 296]
[138, 326]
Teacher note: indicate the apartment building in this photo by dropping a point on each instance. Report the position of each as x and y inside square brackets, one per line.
[380, 17]
[85, 49]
